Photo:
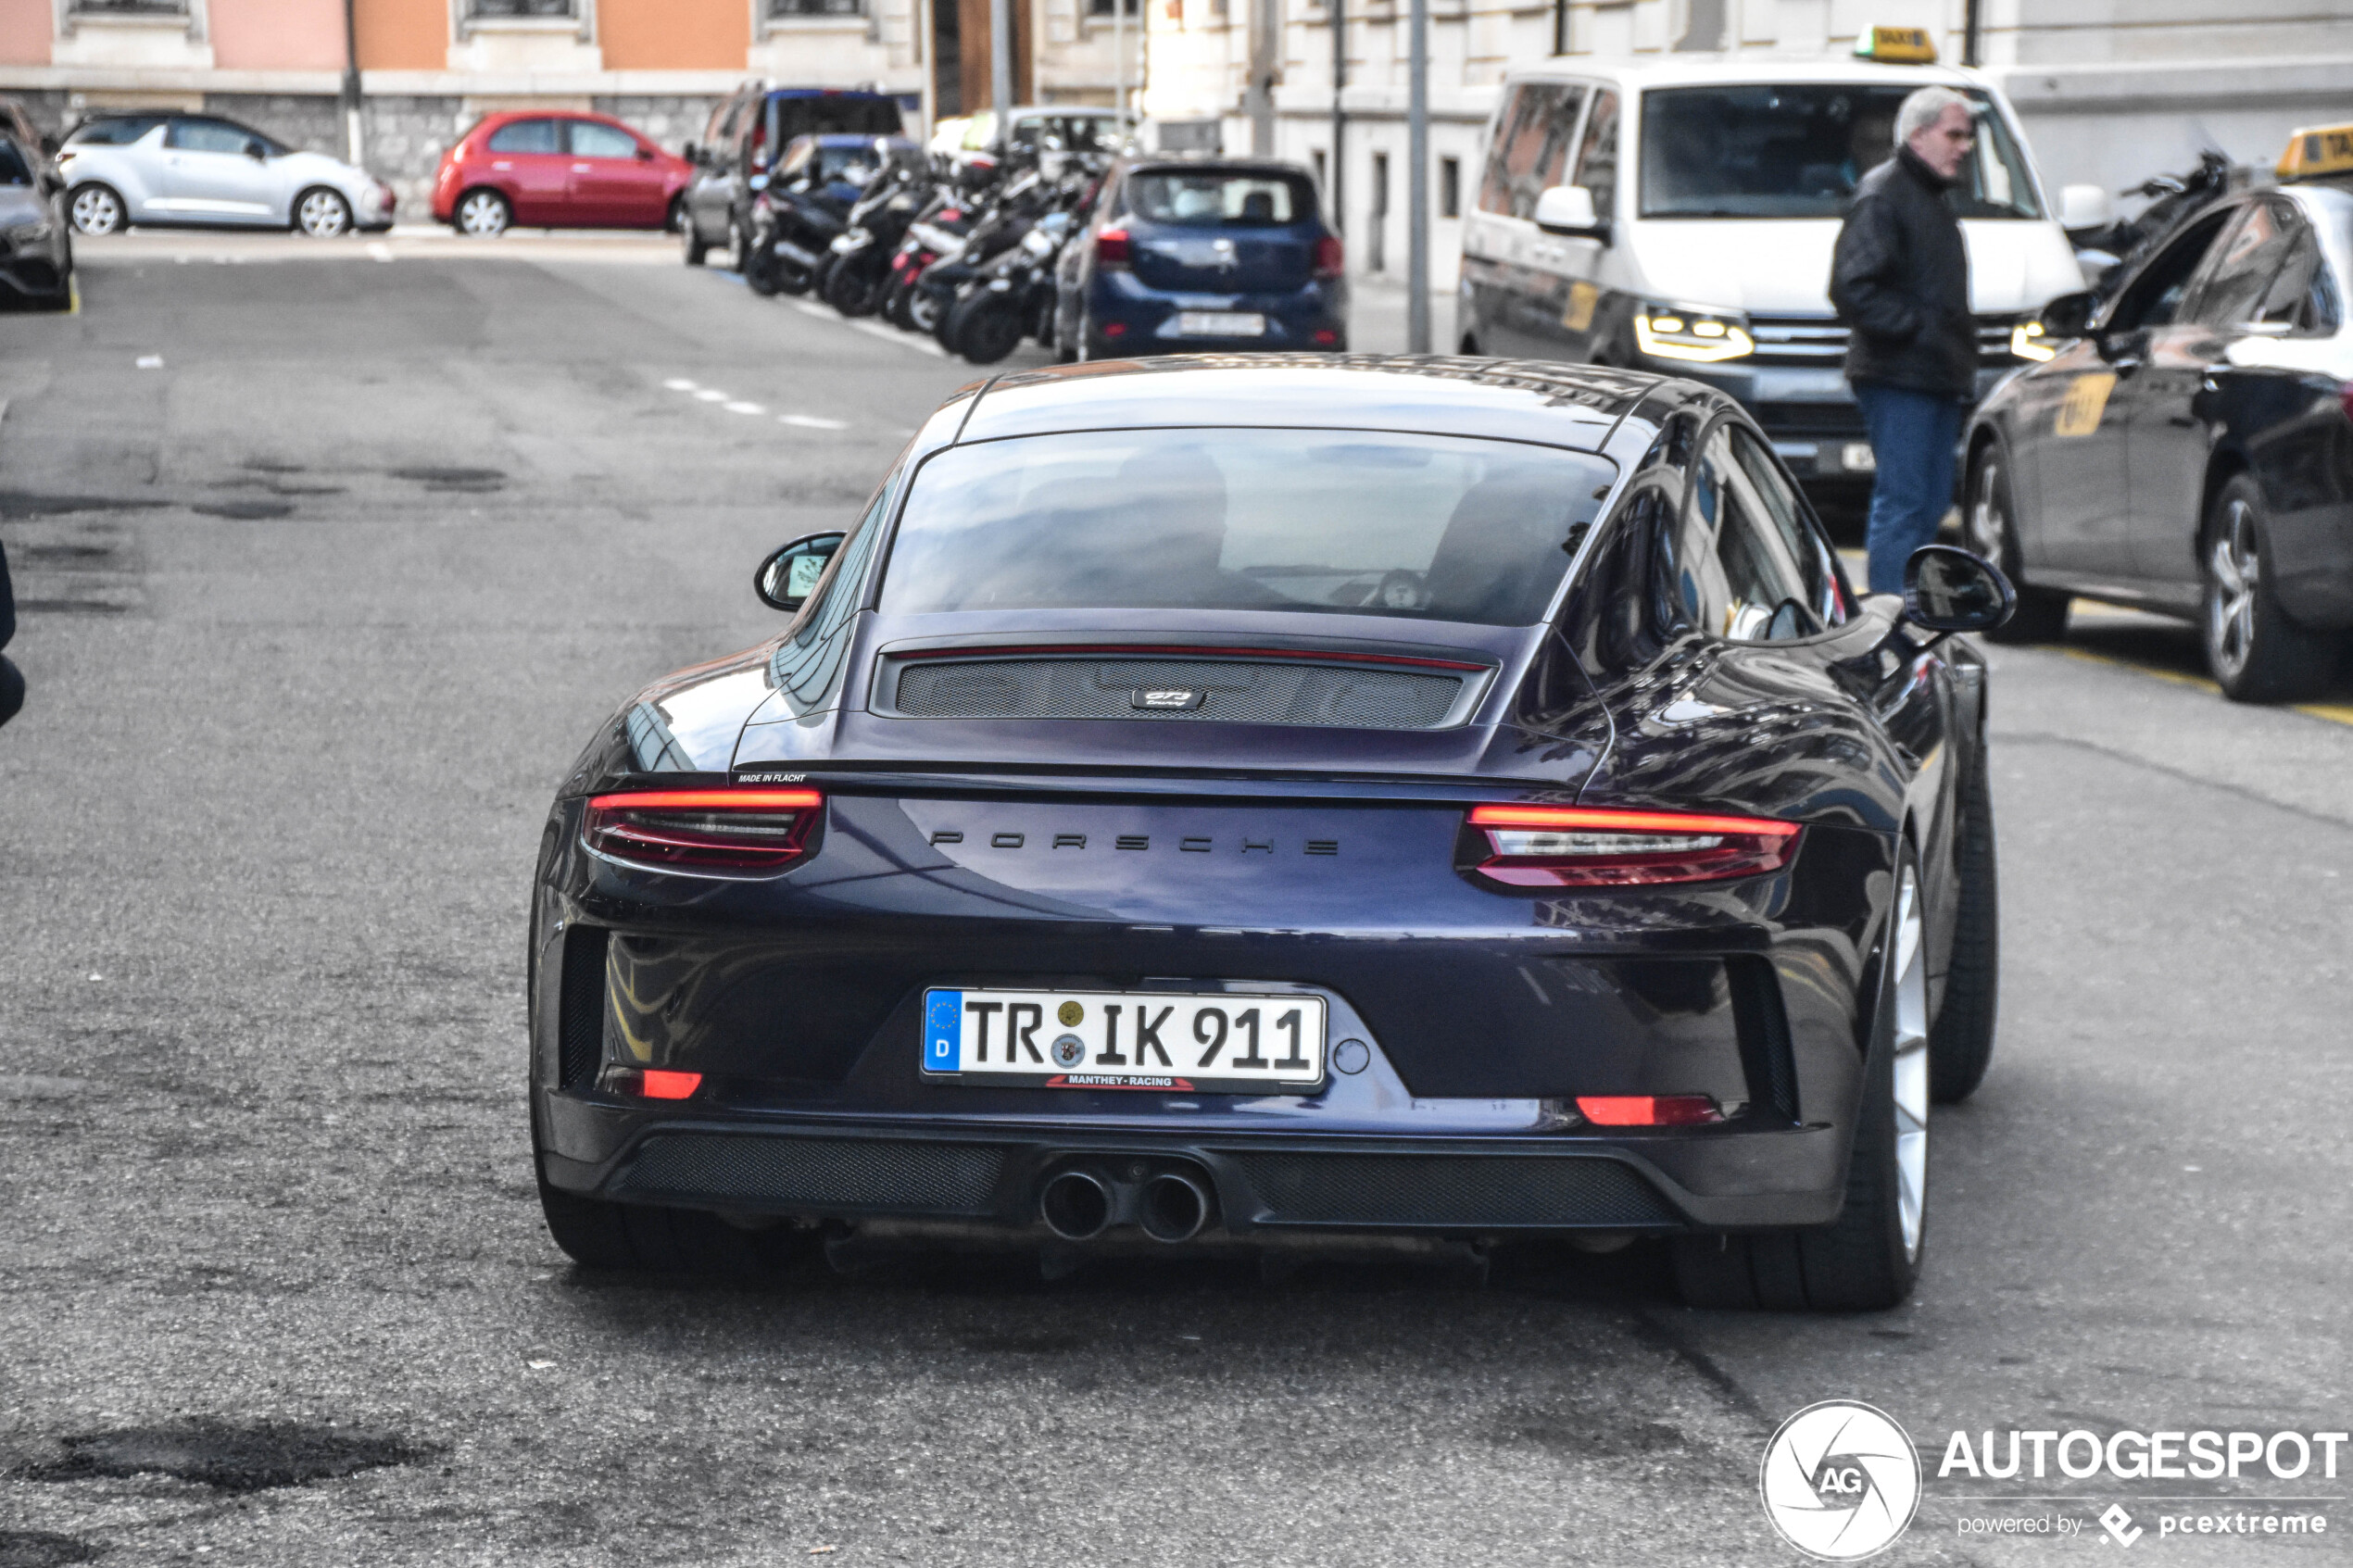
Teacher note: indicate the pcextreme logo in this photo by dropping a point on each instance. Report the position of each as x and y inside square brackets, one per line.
[1840, 1481]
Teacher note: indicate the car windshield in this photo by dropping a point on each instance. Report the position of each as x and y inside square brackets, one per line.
[1214, 198]
[1776, 150]
[15, 169]
[1357, 522]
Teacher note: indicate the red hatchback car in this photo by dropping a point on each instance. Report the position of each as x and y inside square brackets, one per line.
[567, 171]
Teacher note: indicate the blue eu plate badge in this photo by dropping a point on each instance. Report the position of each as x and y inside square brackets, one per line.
[943, 1026]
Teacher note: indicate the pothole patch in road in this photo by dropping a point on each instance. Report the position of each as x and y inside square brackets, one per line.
[23, 504]
[243, 511]
[42, 1549]
[473, 481]
[227, 1456]
[1601, 1435]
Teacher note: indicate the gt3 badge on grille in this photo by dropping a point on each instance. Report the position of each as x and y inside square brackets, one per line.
[1165, 697]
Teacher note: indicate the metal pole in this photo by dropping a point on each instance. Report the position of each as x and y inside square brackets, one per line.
[1119, 62]
[1339, 114]
[1972, 25]
[353, 151]
[1001, 61]
[1417, 185]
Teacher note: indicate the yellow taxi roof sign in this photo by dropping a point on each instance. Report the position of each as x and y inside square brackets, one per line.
[2322, 149]
[1896, 46]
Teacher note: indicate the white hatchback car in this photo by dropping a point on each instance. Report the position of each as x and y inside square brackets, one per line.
[200, 169]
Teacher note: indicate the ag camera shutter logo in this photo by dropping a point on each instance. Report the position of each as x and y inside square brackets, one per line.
[1840, 1481]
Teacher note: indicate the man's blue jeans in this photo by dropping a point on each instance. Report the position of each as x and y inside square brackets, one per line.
[1913, 434]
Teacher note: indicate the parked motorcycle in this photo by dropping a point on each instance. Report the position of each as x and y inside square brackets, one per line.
[793, 229]
[857, 275]
[1011, 297]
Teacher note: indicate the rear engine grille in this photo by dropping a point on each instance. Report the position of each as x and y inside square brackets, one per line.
[822, 1173]
[1821, 340]
[580, 1016]
[1232, 691]
[1471, 1192]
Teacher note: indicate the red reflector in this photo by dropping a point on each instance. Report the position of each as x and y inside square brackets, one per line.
[1115, 328]
[2344, 398]
[1111, 247]
[1602, 847]
[670, 1085]
[759, 830]
[1648, 1111]
[1331, 258]
[1327, 336]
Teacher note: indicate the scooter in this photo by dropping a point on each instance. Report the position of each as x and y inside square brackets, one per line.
[1011, 297]
[857, 275]
[792, 227]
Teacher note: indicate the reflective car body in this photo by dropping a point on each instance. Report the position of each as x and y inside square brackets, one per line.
[2227, 352]
[36, 241]
[1116, 839]
[570, 171]
[202, 169]
[1210, 254]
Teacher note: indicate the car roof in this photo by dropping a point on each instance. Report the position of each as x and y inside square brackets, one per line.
[1763, 71]
[1532, 400]
[830, 93]
[1147, 163]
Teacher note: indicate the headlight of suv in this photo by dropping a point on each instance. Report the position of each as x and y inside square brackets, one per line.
[1676, 331]
[2028, 341]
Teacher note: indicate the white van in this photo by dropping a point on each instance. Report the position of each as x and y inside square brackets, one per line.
[1680, 218]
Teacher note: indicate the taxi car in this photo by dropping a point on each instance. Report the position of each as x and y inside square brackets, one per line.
[2187, 447]
[1257, 800]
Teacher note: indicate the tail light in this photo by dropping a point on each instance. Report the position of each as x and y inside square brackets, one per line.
[1648, 1111]
[1588, 846]
[1111, 247]
[650, 1083]
[2344, 398]
[1325, 337]
[1331, 258]
[755, 831]
[1115, 328]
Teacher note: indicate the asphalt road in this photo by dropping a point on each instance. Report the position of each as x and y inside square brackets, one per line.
[329, 565]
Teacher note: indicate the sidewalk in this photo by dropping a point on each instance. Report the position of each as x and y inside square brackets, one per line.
[1377, 316]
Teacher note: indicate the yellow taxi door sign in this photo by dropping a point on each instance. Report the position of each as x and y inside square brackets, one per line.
[2086, 401]
[1578, 315]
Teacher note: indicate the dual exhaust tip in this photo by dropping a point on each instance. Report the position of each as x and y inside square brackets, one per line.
[1079, 1204]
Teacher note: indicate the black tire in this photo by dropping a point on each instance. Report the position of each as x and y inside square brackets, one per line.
[2255, 652]
[983, 328]
[321, 213]
[926, 312]
[97, 207]
[1960, 1044]
[758, 266]
[1862, 1261]
[1989, 524]
[855, 289]
[481, 214]
[692, 245]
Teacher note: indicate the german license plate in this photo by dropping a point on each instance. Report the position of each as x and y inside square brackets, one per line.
[1223, 1043]
[1220, 323]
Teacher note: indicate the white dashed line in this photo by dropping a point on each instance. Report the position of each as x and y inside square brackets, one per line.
[807, 308]
[811, 422]
[380, 250]
[710, 395]
[676, 383]
[743, 407]
[893, 335]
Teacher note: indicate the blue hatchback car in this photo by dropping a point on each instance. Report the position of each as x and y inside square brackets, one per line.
[1185, 255]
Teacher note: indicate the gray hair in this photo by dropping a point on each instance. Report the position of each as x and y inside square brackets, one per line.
[1924, 108]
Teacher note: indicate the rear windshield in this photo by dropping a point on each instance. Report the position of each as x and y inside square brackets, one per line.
[114, 132]
[1212, 198]
[1772, 150]
[1356, 522]
[844, 112]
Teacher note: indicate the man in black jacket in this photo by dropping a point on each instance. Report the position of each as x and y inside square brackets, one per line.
[1900, 280]
[12, 682]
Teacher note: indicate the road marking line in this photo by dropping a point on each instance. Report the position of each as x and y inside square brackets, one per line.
[893, 335]
[73, 287]
[380, 250]
[679, 384]
[743, 407]
[811, 422]
[710, 395]
[809, 307]
[2334, 713]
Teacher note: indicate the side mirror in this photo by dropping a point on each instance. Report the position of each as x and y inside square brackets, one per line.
[786, 579]
[2085, 206]
[1567, 209]
[691, 152]
[644, 155]
[1947, 589]
[257, 152]
[2069, 316]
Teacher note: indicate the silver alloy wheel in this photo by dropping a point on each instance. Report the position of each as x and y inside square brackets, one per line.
[483, 214]
[1986, 526]
[1911, 1063]
[2235, 567]
[97, 210]
[323, 215]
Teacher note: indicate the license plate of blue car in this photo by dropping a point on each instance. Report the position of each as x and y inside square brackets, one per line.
[1225, 1042]
[1221, 323]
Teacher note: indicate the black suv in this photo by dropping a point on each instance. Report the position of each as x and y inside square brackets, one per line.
[745, 135]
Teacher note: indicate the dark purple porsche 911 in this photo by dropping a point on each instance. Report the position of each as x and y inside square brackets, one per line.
[1262, 803]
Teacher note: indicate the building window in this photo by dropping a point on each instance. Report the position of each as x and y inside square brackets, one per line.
[1321, 182]
[1102, 8]
[129, 7]
[785, 10]
[501, 10]
[1450, 187]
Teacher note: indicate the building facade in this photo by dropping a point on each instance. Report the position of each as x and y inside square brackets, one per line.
[2110, 93]
[427, 69]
